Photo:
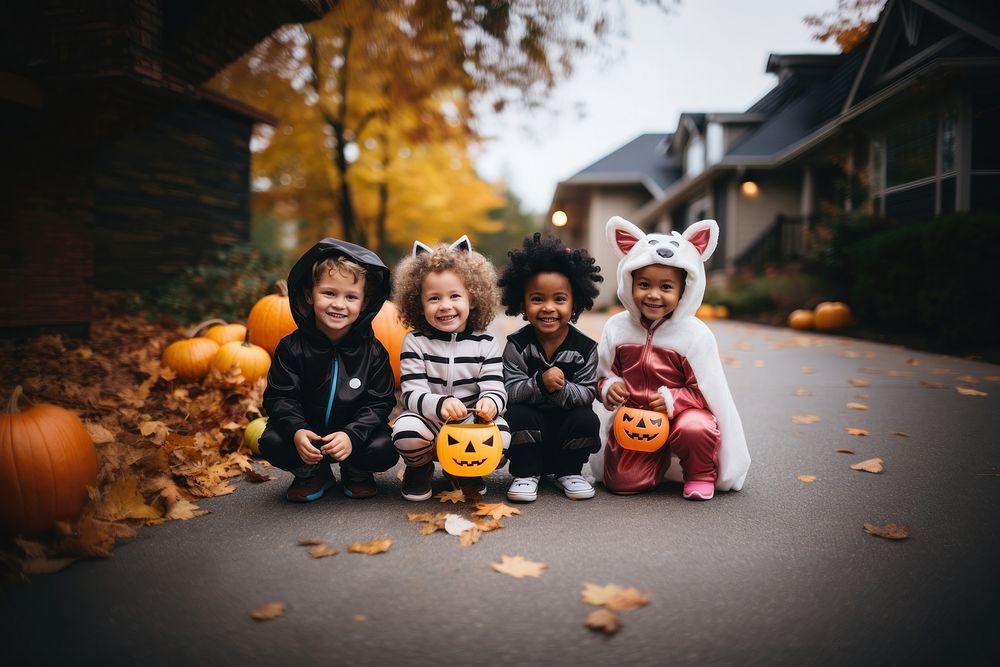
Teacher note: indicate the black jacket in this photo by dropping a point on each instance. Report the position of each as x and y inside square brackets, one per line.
[298, 384]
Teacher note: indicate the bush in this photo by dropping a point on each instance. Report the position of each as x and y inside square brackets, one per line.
[773, 291]
[227, 288]
[934, 278]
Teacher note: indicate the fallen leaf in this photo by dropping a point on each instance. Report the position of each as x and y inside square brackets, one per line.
[99, 433]
[518, 567]
[360, 618]
[322, 551]
[808, 370]
[456, 525]
[470, 537]
[967, 379]
[613, 597]
[802, 391]
[455, 496]
[856, 431]
[858, 382]
[371, 548]
[495, 510]
[857, 406]
[870, 370]
[969, 391]
[899, 374]
[901, 434]
[805, 419]
[844, 450]
[269, 611]
[252, 475]
[807, 478]
[931, 384]
[868, 465]
[122, 500]
[889, 531]
[941, 371]
[912, 362]
[183, 510]
[603, 620]
[488, 525]
[309, 541]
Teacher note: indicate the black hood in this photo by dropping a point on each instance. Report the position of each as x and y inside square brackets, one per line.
[300, 280]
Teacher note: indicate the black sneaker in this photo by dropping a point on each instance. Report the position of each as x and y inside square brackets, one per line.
[470, 486]
[313, 487]
[357, 483]
[417, 481]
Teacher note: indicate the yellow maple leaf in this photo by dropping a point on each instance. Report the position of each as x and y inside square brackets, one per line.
[852, 430]
[857, 406]
[469, 537]
[857, 382]
[371, 548]
[889, 531]
[805, 419]
[613, 597]
[969, 391]
[518, 567]
[121, 500]
[322, 551]
[807, 478]
[603, 620]
[455, 496]
[868, 465]
[495, 510]
[184, 510]
[269, 611]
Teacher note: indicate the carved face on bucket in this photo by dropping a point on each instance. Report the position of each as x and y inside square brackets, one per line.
[641, 430]
[469, 450]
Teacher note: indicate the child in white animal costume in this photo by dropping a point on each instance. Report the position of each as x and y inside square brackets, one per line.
[657, 355]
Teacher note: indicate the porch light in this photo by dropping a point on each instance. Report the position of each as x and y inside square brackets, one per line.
[749, 188]
[559, 218]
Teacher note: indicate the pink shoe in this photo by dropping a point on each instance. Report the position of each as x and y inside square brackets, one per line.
[699, 490]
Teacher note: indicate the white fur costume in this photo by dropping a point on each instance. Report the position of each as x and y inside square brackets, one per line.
[682, 332]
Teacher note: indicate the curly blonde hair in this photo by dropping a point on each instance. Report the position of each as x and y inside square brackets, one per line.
[475, 271]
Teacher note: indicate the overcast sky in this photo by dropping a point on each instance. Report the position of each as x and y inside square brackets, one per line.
[705, 55]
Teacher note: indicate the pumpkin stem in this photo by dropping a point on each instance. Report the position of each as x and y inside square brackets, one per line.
[282, 287]
[246, 338]
[197, 329]
[12, 404]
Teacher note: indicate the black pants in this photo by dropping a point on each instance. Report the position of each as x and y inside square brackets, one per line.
[376, 455]
[550, 441]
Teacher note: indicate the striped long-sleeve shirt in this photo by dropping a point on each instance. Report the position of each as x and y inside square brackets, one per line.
[524, 361]
[465, 365]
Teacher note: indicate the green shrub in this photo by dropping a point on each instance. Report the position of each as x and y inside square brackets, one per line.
[227, 288]
[772, 292]
[934, 278]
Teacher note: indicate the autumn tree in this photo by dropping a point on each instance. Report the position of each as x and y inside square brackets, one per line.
[848, 24]
[377, 106]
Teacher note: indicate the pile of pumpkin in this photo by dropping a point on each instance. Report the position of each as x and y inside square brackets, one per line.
[709, 312]
[827, 316]
[249, 348]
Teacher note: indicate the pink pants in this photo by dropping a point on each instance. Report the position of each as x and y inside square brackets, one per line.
[694, 438]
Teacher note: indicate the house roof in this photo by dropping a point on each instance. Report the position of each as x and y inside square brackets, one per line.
[642, 161]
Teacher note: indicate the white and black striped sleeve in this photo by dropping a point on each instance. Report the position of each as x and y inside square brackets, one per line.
[414, 387]
[491, 378]
[582, 391]
[522, 385]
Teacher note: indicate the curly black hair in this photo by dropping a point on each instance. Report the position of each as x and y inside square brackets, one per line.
[549, 255]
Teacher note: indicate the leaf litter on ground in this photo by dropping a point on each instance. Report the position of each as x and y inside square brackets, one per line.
[518, 567]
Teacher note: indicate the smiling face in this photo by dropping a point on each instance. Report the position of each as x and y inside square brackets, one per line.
[337, 299]
[548, 304]
[657, 289]
[445, 301]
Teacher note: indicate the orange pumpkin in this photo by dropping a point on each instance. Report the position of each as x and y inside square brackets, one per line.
[390, 332]
[705, 312]
[271, 319]
[190, 359]
[469, 450]
[252, 360]
[832, 315]
[721, 312]
[641, 430]
[47, 461]
[226, 333]
[801, 319]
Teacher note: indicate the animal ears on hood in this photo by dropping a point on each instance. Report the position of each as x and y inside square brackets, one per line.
[704, 236]
[463, 244]
[622, 235]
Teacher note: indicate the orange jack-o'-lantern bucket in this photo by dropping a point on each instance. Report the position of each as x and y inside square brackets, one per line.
[641, 430]
[469, 450]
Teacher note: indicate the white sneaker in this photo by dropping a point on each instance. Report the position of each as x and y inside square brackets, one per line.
[523, 490]
[574, 486]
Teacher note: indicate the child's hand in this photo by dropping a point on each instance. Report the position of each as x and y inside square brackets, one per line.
[617, 394]
[453, 409]
[657, 403]
[303, 445]
[553, 379]
[486, 409]
[337, 446]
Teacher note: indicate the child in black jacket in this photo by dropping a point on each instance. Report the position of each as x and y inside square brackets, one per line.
[330, 387]
[550, 367]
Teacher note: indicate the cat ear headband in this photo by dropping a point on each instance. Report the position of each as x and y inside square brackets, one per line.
[463, 244]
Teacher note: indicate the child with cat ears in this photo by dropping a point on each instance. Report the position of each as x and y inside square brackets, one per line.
[451, 368]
